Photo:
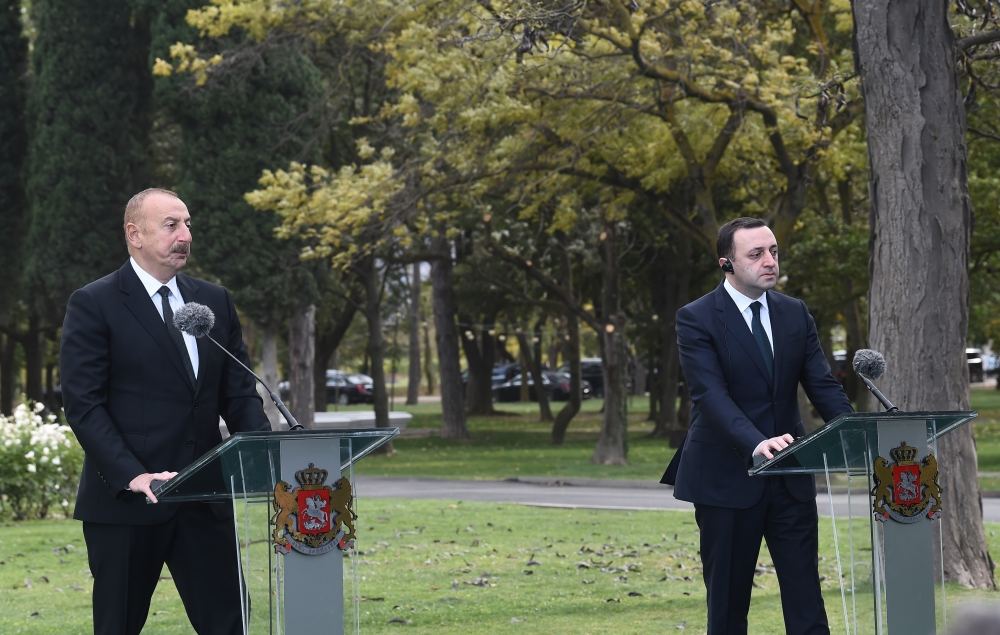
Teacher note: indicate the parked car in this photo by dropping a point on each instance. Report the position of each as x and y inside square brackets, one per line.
[975, 360]
[556, 384]
[561, 386]
[347, 388]
[592, 371]
[341, 388]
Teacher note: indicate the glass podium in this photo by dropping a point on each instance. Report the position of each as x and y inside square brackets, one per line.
[292, 498]
[886, 465]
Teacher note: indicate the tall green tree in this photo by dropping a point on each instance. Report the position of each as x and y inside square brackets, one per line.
[88, 114]
[13, 140]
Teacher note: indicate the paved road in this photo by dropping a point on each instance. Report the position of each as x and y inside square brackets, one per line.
[574, 493]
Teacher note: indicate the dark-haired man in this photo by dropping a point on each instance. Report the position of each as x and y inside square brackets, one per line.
[144, 401]
[744, 349]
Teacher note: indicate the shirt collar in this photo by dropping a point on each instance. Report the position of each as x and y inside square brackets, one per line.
[743, 302]
[151, 284]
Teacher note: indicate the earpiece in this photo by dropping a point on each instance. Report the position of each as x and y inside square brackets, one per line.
[727, 266]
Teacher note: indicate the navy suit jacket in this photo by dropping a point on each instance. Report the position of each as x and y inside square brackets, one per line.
[130, 400]
[735, 405]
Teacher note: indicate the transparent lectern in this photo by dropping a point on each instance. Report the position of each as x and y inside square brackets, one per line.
[292, 498]
[886, 464]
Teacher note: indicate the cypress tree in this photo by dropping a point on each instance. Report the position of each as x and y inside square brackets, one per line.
[88, 126]
[13, 67]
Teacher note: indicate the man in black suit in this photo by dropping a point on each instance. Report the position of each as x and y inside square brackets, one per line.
[144, 401]
[744, 349]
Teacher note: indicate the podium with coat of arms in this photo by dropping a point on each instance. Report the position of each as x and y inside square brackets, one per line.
[293, 502]
[886, 465]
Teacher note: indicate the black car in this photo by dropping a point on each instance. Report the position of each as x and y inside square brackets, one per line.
[556, 384]
[591, 371]
[347, 388]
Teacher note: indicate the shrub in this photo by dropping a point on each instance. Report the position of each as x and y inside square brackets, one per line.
[40, 461]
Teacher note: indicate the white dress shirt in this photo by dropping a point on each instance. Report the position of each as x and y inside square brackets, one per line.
[152, 286]
[743, 304]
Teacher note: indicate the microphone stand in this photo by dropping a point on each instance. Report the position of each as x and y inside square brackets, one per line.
[278, 403]
[889, 408]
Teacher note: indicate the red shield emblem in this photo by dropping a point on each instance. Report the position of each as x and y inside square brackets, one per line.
[906, 484]
[314, 511]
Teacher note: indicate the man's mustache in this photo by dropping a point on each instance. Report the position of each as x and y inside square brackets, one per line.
[181, 249]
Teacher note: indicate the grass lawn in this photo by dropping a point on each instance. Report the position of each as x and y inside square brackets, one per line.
[462, 567]
[453, 567]
[515, 443]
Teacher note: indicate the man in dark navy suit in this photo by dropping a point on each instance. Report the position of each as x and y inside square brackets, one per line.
[144, 401]
[744, 349]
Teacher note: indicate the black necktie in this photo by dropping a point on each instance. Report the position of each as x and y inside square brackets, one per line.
[760, 335]
[175, 335]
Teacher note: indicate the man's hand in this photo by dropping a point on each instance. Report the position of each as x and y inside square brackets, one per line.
[142, 484]
[768, 447]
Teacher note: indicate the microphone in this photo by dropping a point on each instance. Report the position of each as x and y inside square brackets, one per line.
[869, 365]
[197, 320]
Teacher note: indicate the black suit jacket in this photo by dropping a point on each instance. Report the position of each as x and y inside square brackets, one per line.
[130, 400]
[735, 405]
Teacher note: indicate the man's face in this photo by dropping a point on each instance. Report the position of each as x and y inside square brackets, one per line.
[755, 261]
[161, 239]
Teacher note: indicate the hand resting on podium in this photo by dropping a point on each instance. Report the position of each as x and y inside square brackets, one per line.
[143, 484]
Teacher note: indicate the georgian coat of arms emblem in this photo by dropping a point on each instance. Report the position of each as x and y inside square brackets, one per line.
[906, 490]
[313, 518]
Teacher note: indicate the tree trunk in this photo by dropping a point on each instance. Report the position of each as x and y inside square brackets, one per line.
[452, 401]
[479, 352]
[920, 243]
[269, 373]
[327, 343]
[533, 366]
[612, 444]
[301, 338]
[572, 406]
[376, 345]
[413, 376]
[31, 342]
[428, 359]
[7, 374]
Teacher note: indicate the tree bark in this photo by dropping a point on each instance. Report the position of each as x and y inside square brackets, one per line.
[428, 358]
[269, 373]
[572, 407]
[452, 401]
[327, 342]
[479, 351]
[376, 345]
[413, 376]
[532, 366]
[7, 374]
[31, 343]
[920, 222]
[301, 339]
[612, 444]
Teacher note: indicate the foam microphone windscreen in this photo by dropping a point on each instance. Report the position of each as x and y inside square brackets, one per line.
[194, 319]
[869, 363]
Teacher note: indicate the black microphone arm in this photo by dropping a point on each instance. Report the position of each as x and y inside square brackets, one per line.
[878, 394]
[278, 403]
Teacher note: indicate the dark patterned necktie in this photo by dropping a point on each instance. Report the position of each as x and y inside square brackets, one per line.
[760, 335]
[175, 335]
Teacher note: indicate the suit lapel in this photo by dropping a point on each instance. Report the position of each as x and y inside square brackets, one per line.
[738, 330]
[190, 292]
[138, 303]
[779, 328]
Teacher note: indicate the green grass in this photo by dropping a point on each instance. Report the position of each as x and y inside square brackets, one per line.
[457, 568]
[514, 443]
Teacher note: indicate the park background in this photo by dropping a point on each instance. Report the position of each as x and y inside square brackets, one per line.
[424, 190]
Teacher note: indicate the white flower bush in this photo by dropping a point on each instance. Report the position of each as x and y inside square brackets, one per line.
[40, 462]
